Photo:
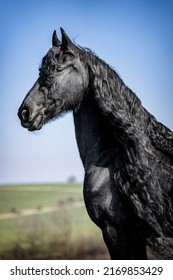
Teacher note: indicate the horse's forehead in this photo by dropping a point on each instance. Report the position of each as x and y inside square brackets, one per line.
[54, 51]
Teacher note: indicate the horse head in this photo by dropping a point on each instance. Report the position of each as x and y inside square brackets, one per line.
[62, 82]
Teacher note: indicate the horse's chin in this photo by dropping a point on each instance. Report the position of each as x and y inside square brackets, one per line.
[34, 128]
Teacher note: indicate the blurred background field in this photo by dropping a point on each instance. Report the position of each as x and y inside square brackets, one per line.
[47, 222]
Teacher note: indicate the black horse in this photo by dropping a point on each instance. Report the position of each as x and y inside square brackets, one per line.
[127, 154]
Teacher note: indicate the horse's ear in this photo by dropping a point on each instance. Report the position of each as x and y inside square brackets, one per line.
[55, 41]
[66, 42]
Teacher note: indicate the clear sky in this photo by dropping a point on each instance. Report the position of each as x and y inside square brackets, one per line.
[135, 37]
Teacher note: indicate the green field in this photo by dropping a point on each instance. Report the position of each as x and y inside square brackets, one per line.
[30, 196]
[66, 232]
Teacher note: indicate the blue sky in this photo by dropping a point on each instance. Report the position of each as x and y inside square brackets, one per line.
[135, 37]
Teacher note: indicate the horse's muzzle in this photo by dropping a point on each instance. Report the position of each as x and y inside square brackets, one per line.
[32, 120]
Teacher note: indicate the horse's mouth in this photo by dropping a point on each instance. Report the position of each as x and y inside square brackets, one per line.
[35, 124]
[34, 120]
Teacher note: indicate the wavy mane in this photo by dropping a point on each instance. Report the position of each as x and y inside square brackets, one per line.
[146, 147]
[115, 98]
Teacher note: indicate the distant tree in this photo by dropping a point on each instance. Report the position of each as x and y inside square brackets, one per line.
[71, 179]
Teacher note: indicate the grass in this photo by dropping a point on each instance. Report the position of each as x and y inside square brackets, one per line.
[67, 233]
[32, 196]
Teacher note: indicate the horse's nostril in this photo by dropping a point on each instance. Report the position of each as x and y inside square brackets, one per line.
[25, 114]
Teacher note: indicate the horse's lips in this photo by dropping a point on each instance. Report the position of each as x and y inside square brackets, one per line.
[34, 124]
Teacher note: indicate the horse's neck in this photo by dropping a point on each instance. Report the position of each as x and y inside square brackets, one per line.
[120, 106]
[86, 129]
[92, 134]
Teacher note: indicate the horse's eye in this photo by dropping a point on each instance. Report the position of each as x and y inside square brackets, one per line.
[65, 58]
[57, 56]
[59, 69]
[68, 56]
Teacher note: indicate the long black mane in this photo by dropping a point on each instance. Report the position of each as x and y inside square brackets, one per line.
[146, 157]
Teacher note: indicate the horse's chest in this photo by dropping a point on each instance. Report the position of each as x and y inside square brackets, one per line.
[102, 199]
